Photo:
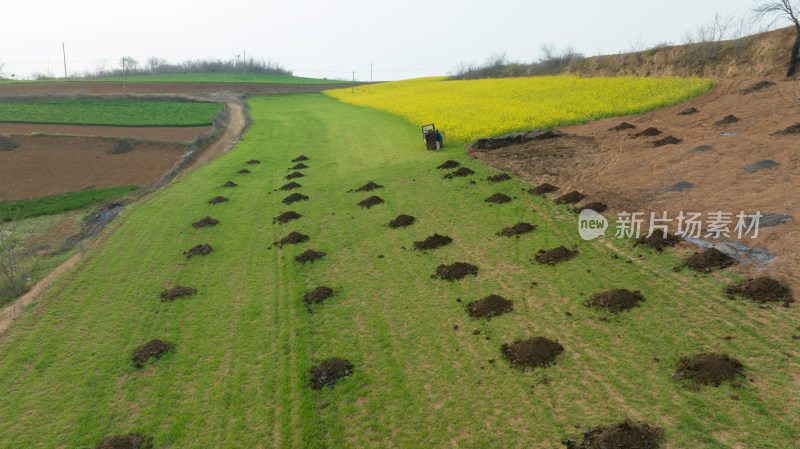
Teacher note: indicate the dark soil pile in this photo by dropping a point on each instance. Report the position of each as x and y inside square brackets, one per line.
[555, 255]
[489, 306]
[709, 260]
[199, 250]
[657, 240]
[292, 239]
[763, 164]
[290, 186]
[433, 242]
[689, 111]
[498, 198]
[456, 270]
[177, 292]
[318, 295]
[616, 300]
[709, 368]
[207, 221]
[402, 221]
[309, 256]
[299, 166]
[121, 147]
[622, 127]
[129, 441]
[517, 229]
[153, 348]
[624, 435]
[369, 187]
[649, 132]
[253, 161]
[669, 140]
[327, 372]
[294, 198]
[371, 201]
[761, 85]
[447, 165]
[286, 217]
[596, 206]
[461, 172]
[570, 198]
[794, 129]
[244, 170]
[727, 120]
[499, 178]
[300, 158]
[295, 174]
[230, 184]
[217, 200]
[542, 189]
[762, 289]
[7, 143]
[531, 353]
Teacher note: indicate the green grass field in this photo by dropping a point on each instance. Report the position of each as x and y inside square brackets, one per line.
[109, 112]
[245, 342]
[56, 204]
[224, 78]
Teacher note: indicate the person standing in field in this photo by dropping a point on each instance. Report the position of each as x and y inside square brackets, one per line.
[438, 140]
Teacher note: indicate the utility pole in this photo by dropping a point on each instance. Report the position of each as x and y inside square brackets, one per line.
[123, 72]
[244, 67]
[353, 90]
[64, 52]
[370, 71]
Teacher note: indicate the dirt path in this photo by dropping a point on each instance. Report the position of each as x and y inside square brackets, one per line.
[12, 311]
[224, 143]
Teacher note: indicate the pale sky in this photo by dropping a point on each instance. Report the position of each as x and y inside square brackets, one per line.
[403, 39]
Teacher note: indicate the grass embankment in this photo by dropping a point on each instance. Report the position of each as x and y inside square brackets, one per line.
[109, 112]
[61, 203]
[467, 110]
[224, 78]
[245, 342]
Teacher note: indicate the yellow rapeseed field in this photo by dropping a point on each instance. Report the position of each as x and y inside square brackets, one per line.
[467, 110]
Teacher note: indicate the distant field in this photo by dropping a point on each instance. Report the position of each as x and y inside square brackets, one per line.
[223, 78]
[467, 110]
[55, 204]
[109, 112]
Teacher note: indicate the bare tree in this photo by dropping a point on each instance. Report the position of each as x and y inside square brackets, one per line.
[783, 9]
[12, 281]
[2, 64]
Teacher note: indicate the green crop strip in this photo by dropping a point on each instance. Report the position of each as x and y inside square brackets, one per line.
[56, 204]
[245, 342]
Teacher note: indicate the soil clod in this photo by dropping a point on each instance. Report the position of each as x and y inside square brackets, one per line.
[402, 221]
[461, 172]
[290, 186]
[762, 289]
[153, 348]
[616, 300]
[531, 353]
[433, 242]
[243, 171]
[596, 206]
[761, 165]
[300, 158]
[649, 132]
[446, 165]
[489, 306]
[129, 441]
[708, 368]
[517, 229]
[121, 147]
[309, 256]
[678, 187]
[709, 260]
[498, 198]
[689, 111]
[555, 255]
[295, 174]
[669, 140]
[657, 241]
[700, 149]
[292, 239]
[207, 221]
[499, 178]
[794, 129]
[456, 270]
[230, 184]
[368, 187]
[177, 292]
[199, 250]
[253, 161]
[318, 295]
[218, 199]
[299, 166]
[622, 127]
[570, 198]
[624, 435]
[294, 198]
[328, 372]
[7, 143]
[286, 217]
[727, 120]
[542, 189]
[371, 201]
[761, 85]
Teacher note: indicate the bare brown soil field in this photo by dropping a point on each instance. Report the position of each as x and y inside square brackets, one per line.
[168, 133]
[633, 174]
[50, 165]
[105, 88]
